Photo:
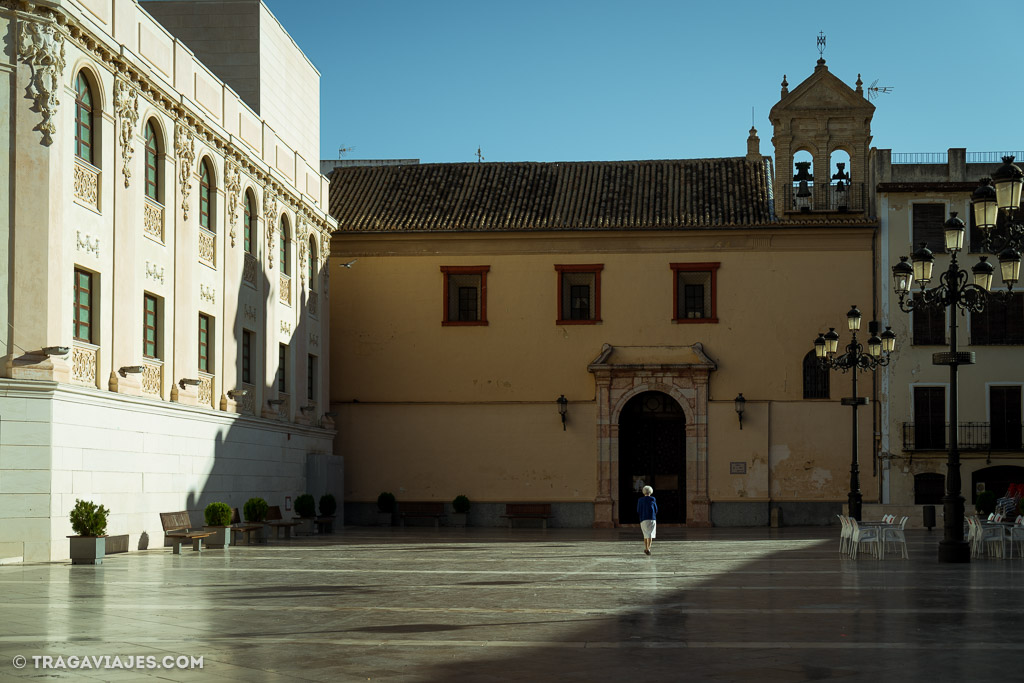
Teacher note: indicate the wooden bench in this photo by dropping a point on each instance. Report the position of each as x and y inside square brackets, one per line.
[178, 528]
[277, 522]
[325, 525]
[245, 530]
[425, 510]
[541, 511]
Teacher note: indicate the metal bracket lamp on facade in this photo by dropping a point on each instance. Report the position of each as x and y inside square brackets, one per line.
[854, 358]
[274, 402]
[126, 370]
[308, 408]
[235, 393]
[563, 407]
[57, 350]
[740, 404]
[186, 382]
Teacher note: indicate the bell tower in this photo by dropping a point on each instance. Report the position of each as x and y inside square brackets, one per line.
[822, 137]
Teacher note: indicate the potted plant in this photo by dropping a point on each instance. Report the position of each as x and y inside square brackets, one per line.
[328, 506]
[985, 503]
[89, 522]
[460, 507]
[218, 521]
[385, 508]
[305, 508]
[255, 510]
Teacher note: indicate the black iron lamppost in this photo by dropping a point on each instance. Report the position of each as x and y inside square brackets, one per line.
[854, 358]
[953, 291]
[1001, 192]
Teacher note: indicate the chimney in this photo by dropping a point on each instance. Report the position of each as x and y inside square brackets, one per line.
[753, 146]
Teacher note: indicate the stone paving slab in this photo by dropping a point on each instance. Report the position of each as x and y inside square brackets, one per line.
[386, 604]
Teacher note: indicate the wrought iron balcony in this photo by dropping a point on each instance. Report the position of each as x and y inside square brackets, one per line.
[971, 436]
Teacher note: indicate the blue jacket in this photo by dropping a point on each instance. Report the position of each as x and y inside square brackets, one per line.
[647, 508]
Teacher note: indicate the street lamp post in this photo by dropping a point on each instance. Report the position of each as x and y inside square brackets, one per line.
[854, 358]
[953, 291]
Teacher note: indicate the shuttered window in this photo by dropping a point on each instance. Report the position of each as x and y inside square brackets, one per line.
[205, 343]
[83, 119]
[1005, 417]
[929, 323]
[928, 220]
[152, 167]
[1001, 323]
[930, 418]
[82, 323]
[150, 327]
[815, 377]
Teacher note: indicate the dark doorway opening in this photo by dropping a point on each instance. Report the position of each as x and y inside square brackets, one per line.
[996, 478]
[652, 452]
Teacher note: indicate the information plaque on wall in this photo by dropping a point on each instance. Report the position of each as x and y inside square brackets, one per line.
[737, 468]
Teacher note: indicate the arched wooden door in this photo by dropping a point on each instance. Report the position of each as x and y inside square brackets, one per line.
[652, 451]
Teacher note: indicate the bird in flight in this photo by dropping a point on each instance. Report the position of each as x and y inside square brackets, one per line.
[349, 264]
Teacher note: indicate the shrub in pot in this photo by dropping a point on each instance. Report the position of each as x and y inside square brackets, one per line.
[305, 506]
[460, 506]
[255, 510]
[386, 508]
[218, 520]
[89, 522]
[328, 506]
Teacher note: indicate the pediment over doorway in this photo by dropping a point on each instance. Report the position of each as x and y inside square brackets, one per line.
[652, 358]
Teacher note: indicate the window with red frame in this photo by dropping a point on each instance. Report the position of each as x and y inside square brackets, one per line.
[579, 294]
[695, 292]
[465, 295]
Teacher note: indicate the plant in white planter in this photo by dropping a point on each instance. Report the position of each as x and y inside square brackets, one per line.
[218, 521]
[385, 508]
[89, 522]
[305, 508]
[460, 508]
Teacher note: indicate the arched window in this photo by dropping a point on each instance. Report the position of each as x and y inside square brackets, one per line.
[206, 196]
[152, 165]
[83, 118]
[249, 223]
[815, 378]
[286, 267]
[312, 263]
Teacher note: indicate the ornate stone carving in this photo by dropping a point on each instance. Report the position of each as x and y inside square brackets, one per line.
[205, 390]
[303, 254]
[313, 304]
[83, 365]
[314, 339]
[285, 327]
[247, 403]
[88, 243]
[270, 219]
[249, 267]
[286, 289]
[41, 46]
[152, 377]
[207, 293]
[154, 272]
[87, 184]
[233, 188]
[185, 149]
[207, 247]
[153, 219]
[126, 112]
[325, 255]
[250, 312]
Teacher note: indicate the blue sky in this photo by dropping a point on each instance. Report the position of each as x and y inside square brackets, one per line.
[567, 80]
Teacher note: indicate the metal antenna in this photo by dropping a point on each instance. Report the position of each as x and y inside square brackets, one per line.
[874, 89]
[479, 155]
[343, 150]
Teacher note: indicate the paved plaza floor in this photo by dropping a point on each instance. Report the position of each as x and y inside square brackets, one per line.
[420, 604]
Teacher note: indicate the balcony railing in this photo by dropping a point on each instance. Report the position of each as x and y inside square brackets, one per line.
[83, 363]
[206, 389]
[971, 436]
[87, 184]
[152, 377]
[824, 198]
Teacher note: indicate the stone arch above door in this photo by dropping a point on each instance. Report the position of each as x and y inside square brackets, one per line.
[623, 372]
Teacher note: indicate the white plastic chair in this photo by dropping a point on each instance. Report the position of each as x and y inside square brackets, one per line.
[894, 535]
[844, 534]
[864, 535]
[991, 540]
[1017, 536]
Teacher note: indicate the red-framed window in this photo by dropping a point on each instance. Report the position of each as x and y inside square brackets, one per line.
[465, 295]
[247, 356]
[695, 292]
[312, 263]
[311, 378]
[150, 326]
[82, 323]
[579, 294]
[83, 118]
[282, 243]
[249, 223]
[152, 165]
[206, 196]
[205, 343]
[282, 368]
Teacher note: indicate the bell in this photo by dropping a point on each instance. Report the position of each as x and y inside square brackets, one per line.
[803, 190]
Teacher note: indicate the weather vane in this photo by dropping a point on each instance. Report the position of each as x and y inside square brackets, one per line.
[821, 44]
[479, 155]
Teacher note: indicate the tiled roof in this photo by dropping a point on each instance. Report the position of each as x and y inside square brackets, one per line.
[586, 195]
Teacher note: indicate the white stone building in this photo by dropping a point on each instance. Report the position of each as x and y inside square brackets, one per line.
[164, 243]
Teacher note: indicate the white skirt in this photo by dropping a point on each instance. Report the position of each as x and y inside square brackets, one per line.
[649, 527]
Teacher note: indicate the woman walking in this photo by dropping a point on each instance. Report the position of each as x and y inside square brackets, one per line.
[647, 510]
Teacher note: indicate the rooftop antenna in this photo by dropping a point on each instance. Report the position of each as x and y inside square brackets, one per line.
[751, 117]
[343, 150]
[821, 45]
[479, 155]
[874, 89]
